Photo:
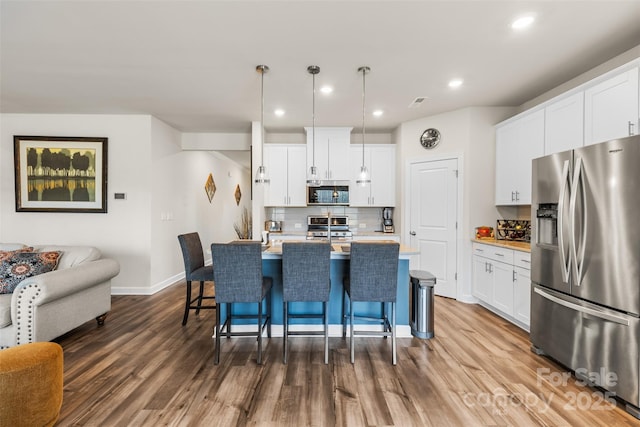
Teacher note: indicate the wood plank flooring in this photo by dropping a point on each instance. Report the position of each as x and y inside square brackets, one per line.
[144, 369]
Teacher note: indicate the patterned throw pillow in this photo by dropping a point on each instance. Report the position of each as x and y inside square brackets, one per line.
[22, 265]
[4, 255]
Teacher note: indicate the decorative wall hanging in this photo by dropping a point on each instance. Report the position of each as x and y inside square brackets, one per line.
[60, 174]
[210, 187]
[238, 194]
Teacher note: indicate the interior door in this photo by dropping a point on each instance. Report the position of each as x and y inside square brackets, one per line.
[432, 226]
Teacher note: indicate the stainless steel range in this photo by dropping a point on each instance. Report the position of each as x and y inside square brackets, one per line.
[321, 227]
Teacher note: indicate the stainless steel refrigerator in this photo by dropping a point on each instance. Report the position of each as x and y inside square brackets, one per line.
[585, 264]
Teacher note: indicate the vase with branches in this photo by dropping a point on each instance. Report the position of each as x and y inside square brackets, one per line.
[244, 226]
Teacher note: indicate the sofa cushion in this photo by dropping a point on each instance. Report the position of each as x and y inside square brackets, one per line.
[71, 255]
[4, 255]
[5, 310]
[23, 265]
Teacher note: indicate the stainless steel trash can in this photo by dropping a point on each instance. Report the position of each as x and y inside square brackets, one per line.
[421, 304]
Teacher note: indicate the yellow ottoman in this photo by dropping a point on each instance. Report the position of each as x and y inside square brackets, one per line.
[31, 382]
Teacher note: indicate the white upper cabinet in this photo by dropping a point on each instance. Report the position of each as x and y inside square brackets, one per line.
[611, 108]
[380, 160]
[331, 151]
[517, 143]
[286, 165]
[564, 124]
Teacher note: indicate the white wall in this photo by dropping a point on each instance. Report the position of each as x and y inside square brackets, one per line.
[122, 233]
[164, 189]
[467, 133]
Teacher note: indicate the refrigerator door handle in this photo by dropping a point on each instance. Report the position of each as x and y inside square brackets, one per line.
[586, 310]
[564, 259]
[578, 259]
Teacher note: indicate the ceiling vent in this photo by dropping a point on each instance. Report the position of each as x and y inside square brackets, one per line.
[417, 102]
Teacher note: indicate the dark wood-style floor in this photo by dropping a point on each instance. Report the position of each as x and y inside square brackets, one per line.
[144, 369]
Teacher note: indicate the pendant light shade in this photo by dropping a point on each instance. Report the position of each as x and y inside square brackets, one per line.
[312, 177]
[363, 178]
[261, 173]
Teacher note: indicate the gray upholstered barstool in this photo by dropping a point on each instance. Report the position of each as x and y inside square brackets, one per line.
[195, 271]
[373, 277]
[306, 277]
[237, 272]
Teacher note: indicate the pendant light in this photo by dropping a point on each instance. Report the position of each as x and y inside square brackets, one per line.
[363, 179]
[312, 178]
[261, 173]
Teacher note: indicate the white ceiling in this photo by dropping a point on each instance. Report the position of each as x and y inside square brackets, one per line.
[192, 63]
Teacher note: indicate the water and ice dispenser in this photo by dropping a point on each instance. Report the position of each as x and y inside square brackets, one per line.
[547, 224]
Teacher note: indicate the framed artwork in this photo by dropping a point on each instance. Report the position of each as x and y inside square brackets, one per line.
[210, 187]
[60, 174]
[238, 195]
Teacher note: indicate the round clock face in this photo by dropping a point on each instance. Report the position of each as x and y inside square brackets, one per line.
[430, 138]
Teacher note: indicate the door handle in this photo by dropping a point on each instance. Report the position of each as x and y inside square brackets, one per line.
[631, 125]
[413, 233]
[582, 309]
[578, 259]
[564, 259]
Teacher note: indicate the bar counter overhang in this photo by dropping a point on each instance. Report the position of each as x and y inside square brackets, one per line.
[272, 267]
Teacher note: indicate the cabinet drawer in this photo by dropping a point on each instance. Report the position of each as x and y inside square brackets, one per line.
[522, 259]
[493, 252]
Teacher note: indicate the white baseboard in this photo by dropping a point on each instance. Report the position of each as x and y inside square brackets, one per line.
[402, 331]
[122, 290]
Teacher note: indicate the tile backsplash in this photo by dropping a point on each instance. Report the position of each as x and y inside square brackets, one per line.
[294, 220]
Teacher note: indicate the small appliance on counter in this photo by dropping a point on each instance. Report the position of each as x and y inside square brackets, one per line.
[273, 226]
[484, 232]
[387, 220]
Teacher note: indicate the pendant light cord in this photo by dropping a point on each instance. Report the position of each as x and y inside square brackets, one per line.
[364, 72]
[313, 124]
[262, 117]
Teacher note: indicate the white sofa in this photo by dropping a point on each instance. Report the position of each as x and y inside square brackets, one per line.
[48, 305]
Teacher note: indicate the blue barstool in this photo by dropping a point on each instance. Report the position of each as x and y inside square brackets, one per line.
[195, 271]
[373, 277]
[237, 273]
[306, 277]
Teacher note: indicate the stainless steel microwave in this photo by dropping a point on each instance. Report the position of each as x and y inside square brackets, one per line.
[328, 195]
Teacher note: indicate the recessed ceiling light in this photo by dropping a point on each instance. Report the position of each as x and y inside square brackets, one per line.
[455, 83]
[326, 89]
[523, 22]
[378, 113]
[279, 112]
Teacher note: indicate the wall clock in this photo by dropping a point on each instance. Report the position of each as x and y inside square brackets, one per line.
[430, 138]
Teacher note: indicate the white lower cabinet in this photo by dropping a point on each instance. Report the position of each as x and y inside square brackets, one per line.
[501, 281]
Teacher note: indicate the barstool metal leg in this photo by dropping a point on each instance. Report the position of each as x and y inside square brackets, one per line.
[326, 332]
[344, 314]
[285, 331]
[200, 295]
[229, 306]
[351, 338]
[217, 357]
[259, 333]
[393, 333]
[187, 303]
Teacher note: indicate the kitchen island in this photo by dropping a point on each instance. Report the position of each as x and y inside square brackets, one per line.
[272, 267]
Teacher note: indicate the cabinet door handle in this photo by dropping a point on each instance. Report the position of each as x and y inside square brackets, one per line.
[486, 267]
[631, 125]
[526, 261]
[512, 196]
[373, 200]
[517, 196]
[490, 268]
[515, 276]
[497, 254]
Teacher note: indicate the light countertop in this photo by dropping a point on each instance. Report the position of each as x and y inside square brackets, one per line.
[340, 251]
[509, 244]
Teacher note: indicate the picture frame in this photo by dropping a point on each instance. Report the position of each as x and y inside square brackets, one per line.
[60, 174]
